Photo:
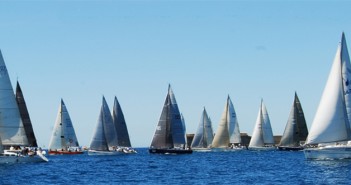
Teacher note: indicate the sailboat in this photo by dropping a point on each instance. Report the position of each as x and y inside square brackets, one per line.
[121, 128]
[63, 138]
[204, 135]
[105, 140]
[12, 132]
[228, 132]
[169, 137]
[330, 131]
[27, 123]
[262, 137]
[295, 130]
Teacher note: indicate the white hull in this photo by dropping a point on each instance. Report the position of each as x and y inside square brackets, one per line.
[228, 149]
[328, 152]
[269, 148]
[22, 159]
[96, 152]
[201, 149]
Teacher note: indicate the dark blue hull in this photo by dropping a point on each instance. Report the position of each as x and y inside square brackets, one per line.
[170, 151]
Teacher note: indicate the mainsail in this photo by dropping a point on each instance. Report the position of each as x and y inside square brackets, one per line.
[120, 123]
[25, 116]
[332, 120]
[63, 135]
[12, 131]
[204, 134]
[296, 128]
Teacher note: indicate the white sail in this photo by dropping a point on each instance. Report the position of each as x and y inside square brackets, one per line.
[63, 135]
[262, 134]
[257, 135]
[208, 129]
[346, 75]
[234, 131]
[204, 134]
[266, 127]
[331, 122]
[11, 125]
[183, 125]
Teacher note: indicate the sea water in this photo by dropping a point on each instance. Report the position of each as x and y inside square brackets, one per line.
[239, 167]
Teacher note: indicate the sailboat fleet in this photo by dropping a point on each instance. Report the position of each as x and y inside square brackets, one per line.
[329, 136]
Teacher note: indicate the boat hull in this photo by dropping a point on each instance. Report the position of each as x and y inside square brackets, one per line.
[228, 149]
[22, 159]
[288, 148]
[328, 153]
[201, 149]
[97, 152]
[270, 148]
[169, 151]
[65, 152]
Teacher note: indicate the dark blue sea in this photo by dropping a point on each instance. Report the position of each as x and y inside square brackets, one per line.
[240, 167]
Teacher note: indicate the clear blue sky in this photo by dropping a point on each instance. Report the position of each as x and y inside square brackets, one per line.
[206, 50]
